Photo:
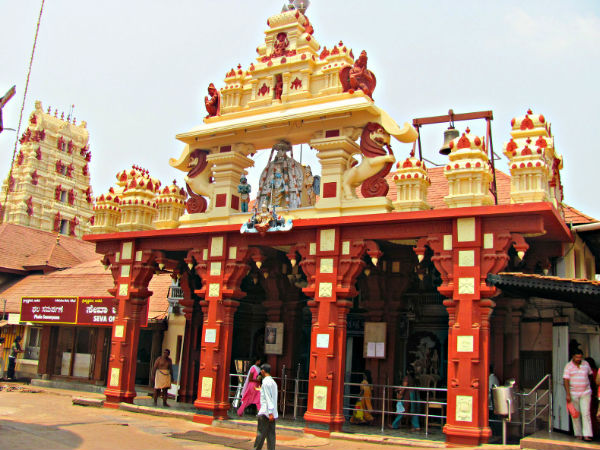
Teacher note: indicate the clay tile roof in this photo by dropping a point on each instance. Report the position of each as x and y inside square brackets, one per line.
[575, 216]
[23, 249]
[85, 279]
[439, 187]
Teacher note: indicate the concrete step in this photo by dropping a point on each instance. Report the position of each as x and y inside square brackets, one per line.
[557, 441]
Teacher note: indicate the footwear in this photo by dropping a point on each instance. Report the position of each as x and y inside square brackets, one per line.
[587, 438]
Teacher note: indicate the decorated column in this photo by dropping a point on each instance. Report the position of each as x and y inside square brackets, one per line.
[186, 382]
[331, 265]
[132, 270]
[464, 258]
[221, 268]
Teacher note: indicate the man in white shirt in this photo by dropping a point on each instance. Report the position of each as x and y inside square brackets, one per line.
[267, 414]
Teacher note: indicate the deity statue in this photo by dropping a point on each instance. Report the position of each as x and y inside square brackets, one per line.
[279, 190]
[263, 219]
[213, 101]
[266, 220]
[244, 190]
[311, 189]
[281, 181]
[358, 77]
[280, 45]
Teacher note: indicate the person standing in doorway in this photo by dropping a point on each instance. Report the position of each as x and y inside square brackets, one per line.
[12, 358]
[251, 391]
[576, 379]
[267, 415]
[162, 374]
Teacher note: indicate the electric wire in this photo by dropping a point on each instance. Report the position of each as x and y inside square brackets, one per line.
[37, 30]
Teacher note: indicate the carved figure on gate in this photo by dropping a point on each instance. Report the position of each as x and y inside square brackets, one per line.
[244, 190]
[198, 180]
[213, 101]
[358, 77]
[375, 165]
[278, 87]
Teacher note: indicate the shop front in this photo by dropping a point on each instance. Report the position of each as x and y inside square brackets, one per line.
[74, 335]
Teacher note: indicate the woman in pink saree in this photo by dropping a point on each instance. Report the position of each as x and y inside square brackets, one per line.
[251, 389]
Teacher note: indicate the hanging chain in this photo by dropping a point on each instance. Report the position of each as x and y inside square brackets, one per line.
[37, 30]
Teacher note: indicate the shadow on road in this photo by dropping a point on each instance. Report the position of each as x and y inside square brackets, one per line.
[30, 436]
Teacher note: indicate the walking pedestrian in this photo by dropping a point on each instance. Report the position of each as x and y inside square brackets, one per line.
[162, 374]
[576, 379]
[12, 357]
[250, 391]
[267, 415]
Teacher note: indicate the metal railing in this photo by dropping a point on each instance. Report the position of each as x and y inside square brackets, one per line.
[418, 404]
[534, 403]
[293, 393]
[293, 398]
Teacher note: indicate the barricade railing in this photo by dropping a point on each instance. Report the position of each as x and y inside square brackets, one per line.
[292, 398]
[417, 401]
[535, 402]
[424, 403]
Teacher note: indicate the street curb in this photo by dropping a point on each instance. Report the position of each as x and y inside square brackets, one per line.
[387, 440]
[86, 401]
[156, 412]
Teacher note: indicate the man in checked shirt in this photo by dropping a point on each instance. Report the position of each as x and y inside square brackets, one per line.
[267, 415]
[576, 378]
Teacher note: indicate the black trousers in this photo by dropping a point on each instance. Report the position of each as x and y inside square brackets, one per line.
[265, 430]
[12, 362]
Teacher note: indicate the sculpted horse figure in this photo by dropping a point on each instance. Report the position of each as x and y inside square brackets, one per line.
[373, 168]
[198, 180]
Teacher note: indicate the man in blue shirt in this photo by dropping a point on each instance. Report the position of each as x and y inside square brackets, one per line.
[267, 414]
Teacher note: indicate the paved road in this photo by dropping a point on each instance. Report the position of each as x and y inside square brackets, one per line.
[48, 420]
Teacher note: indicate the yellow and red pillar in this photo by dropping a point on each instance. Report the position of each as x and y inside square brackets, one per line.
[132, 270]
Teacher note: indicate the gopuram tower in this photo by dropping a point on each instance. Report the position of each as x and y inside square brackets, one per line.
[49, 184]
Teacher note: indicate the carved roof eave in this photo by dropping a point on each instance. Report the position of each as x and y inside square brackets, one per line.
[296, 124]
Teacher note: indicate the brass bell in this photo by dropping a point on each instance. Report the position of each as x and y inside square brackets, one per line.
[450, 134]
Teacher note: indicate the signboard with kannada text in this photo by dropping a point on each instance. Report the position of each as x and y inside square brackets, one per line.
[59, 310]
[96, 311]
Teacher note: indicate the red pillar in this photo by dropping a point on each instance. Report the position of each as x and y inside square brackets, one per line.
[186, 382]
[132, 270]
[221, 268]
[331, 265]
[464, 259]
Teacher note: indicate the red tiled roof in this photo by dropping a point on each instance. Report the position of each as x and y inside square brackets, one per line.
[23, 249]
[575, 216]
[86, 279]
[439, 187]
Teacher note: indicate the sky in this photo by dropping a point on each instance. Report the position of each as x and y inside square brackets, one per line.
[137, 71]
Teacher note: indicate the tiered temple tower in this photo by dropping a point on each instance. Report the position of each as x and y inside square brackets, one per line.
[49, 186]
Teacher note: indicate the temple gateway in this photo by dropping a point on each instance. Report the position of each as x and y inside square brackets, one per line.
[372, 263]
